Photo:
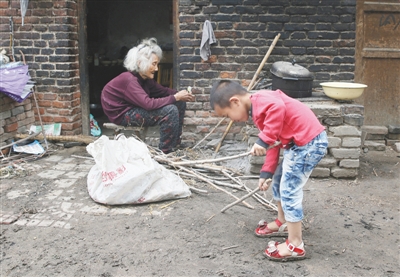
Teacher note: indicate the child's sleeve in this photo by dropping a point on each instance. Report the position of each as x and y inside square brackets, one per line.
[270, 163]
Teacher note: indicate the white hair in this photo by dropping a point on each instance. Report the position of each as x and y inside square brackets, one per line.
[141, 54]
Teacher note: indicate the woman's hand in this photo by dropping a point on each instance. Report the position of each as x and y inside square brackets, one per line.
[264, 184]
[258, 150]
[184, 96]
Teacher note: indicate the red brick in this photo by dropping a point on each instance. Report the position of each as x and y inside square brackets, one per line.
[10, 12]
[67, 104]
[227, 34]
[49, 96]
[76, 102]
[227, 75]
[59, 12]
[202, 113]
[53, 111]
[203, 129]
[245, 83]
[77, 95]
[43, 103]
[203, 66]
[189, 113]
[11, 127]
[64, 97]
[211, 59]
[203, 98]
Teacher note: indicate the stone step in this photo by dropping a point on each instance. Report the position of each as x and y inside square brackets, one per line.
[374, 146]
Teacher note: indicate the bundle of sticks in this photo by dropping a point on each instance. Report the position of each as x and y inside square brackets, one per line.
[217, 176]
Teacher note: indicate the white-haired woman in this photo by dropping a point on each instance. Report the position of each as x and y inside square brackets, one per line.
[134, 98]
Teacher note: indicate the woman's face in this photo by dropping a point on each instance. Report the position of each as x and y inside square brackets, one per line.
[153, 68]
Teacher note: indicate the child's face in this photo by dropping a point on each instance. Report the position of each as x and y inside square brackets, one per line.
[236, 111]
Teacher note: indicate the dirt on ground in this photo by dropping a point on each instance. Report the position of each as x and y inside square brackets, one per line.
[51, 226]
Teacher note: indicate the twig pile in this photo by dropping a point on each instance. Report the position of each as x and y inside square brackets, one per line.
[209, 172]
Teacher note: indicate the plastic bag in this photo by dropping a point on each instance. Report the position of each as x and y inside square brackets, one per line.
[125, 173]
[94, 127]
[15, 82]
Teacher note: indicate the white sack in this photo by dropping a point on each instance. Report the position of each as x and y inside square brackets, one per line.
[125, 173]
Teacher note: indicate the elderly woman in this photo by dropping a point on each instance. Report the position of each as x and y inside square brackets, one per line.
[134, 98]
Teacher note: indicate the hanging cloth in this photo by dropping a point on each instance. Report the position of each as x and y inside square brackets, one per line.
[24, 7]
[207, 39]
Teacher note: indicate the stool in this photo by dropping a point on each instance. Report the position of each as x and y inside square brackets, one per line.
[140, 132]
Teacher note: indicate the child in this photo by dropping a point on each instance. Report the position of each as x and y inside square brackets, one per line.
[287, 120]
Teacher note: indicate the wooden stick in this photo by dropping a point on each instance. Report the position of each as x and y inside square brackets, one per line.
[84, 139]
[220, 159]
[211, 160]
[210, 218]
[223, 136]
[37, 107]
[271, 47]
[241, 199]
[230, 247]
[212, 184]
[21, 140]
[262, 200]
[227, 185]
[197, 190]
[219, 123]
[40, 118]
[239, 182]
[212, 179]
[169, 204]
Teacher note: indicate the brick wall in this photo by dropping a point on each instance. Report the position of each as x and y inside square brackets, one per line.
[319, 35]
[48, 40]
[14, 117]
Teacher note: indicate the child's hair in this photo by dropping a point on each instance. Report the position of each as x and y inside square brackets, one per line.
[222, 91]
[142, 54]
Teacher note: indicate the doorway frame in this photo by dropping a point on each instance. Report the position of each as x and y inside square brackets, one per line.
[84, 66]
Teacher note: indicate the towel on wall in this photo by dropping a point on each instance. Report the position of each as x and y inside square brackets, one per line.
[207, 39]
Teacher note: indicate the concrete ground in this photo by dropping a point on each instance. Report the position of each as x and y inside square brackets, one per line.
[51, 227]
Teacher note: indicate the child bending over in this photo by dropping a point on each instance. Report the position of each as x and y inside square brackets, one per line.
[287, 120]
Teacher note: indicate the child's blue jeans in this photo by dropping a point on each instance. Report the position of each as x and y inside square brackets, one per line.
[292, 174]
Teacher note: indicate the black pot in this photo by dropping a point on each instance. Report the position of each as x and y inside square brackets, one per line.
[291, 78]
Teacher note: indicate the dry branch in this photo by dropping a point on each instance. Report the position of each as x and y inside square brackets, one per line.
[212, 184]
[213, 129]
[84, 139]
[241, 199]
[211, 173]
[211, 160]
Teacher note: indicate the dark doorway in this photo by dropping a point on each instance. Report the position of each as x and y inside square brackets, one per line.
[115, 26]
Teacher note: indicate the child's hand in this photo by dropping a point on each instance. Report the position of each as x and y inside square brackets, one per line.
[258, 150]
[264, 184]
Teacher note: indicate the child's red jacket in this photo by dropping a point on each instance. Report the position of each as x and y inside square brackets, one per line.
[282, 118]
